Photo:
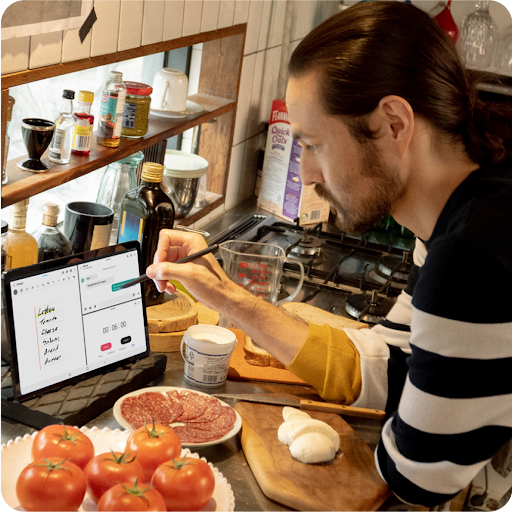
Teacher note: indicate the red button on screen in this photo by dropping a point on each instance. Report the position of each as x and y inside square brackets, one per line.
[106, 346]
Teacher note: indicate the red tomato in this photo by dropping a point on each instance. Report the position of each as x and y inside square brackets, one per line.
[64, 442]
[153, 446]
[186, 484]
[108, 469]
[131, 497]
[51, 484]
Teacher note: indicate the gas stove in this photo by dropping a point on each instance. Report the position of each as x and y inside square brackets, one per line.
[355, 276]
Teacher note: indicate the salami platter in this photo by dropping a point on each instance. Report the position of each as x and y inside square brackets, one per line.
[16, 454]
[198, 418]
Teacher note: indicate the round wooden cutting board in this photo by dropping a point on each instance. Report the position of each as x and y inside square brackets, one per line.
[171, 341]
[177, 313]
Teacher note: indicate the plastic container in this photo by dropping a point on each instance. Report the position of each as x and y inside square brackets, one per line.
[136, 109]
[182, 174]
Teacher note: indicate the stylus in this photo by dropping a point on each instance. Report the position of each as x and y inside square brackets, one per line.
[186, 259]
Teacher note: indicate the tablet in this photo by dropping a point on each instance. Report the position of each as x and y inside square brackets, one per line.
[68, 318]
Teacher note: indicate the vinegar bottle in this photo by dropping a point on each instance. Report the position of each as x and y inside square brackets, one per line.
[111, 110]
[51, 242]
[144, 211]
[21, 246]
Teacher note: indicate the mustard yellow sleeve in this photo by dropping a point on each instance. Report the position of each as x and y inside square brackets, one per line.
[330, 363]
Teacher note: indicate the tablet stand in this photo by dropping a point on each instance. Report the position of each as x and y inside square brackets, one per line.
[78, 404]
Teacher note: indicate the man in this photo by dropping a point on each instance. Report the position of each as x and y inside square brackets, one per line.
[389, 121]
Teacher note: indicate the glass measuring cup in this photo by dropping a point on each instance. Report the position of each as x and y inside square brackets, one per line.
[258, 267]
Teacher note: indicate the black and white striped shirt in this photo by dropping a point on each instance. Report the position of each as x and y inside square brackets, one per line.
[446, 349]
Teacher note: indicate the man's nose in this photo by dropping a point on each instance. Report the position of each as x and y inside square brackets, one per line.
[309, 170]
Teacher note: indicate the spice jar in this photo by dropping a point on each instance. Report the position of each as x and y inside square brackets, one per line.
[136, 109]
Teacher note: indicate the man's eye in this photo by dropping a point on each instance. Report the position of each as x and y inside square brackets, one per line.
[309, 147]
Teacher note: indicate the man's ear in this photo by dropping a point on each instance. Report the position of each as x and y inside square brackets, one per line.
[394, 118]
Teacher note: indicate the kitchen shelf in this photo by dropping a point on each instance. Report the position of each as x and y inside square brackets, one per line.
[23, 184]
[219, 79]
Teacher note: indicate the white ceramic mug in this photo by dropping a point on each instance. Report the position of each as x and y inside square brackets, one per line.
[206, 350]
[170, 90]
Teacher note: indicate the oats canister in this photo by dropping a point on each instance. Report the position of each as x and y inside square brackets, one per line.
[136, 109]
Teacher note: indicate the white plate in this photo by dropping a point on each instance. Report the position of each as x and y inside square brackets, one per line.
[162, 389]
[191, 108]
[17, 454]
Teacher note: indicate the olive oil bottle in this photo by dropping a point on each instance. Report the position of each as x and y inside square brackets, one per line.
[145, 210]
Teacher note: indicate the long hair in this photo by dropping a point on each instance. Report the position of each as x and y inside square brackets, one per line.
[375, 49]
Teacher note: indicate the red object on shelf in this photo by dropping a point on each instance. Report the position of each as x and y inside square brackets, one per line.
[445, 19]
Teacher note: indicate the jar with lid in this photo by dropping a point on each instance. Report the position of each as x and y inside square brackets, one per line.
[10, 104]
[136, 109]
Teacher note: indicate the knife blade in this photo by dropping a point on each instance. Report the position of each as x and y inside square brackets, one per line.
[308, 405]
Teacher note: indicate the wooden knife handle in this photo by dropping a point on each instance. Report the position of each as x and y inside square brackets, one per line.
[310, 405]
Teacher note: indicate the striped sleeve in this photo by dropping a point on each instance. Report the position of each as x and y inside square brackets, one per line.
[455, 411]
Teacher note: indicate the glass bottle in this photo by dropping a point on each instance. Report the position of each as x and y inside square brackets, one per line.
[146, 210]
[477, 37]
[117, 180]
[60, 146]
[51, 242]
[445, 19]
[10, 104]
[111, 110]
[83, 124]
[21, 246]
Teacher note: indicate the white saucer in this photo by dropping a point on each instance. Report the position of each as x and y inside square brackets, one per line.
[192, 108]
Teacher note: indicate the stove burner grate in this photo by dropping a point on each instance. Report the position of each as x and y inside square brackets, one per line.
[368, 308]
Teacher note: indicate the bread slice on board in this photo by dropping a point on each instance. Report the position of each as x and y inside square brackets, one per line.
[178, 313]
[258, 356]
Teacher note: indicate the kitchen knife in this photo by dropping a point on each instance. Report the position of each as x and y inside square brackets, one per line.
[308, 405]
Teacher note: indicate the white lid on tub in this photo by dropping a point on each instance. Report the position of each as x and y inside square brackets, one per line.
[179, 164]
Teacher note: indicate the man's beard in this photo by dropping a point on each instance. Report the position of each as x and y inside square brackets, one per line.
[356, 214]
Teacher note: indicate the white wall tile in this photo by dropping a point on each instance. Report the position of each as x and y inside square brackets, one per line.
[269, 86]
[248, 178]
[303, 20]
[235, 175]
[265, 25]
[130, 24]
[15, 54]
[226, 13]
[252, 35]
[244, 98]
[241, 11]
[106, 28]
[257, 85]
[192, 17]
[73, 48]
[277, 23]
[153, 21]
[45, 50]
[210, 15]
[173, 19]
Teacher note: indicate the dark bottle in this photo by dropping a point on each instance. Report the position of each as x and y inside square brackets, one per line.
[144, 211]
[51, 242]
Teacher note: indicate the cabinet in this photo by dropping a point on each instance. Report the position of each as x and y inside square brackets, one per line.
[217, 93]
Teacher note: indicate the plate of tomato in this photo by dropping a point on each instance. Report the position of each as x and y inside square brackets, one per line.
[17, 455]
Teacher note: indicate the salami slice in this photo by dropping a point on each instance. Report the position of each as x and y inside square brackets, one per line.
[193, 404]
[190, 434]
[149, 407]
[212, 411]
[226, 419]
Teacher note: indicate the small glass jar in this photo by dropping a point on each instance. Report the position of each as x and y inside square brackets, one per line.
[136, 110]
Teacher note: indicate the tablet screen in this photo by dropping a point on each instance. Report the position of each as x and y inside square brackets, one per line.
[68, 321]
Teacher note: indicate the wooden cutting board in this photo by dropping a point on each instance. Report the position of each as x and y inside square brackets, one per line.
[240, 369]
[177, 313]
[350, 482]
[171, 341]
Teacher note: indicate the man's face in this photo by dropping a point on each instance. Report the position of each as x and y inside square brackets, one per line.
[360, 187]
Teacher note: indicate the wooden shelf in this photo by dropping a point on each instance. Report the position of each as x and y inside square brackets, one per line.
[219, 80]
[23, 184]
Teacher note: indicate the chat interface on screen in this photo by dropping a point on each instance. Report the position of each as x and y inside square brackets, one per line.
[76, 319]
